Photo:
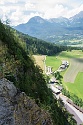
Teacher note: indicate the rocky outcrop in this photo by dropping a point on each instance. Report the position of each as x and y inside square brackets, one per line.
[16, 108]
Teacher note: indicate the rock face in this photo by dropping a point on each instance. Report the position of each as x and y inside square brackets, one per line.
[16, 108]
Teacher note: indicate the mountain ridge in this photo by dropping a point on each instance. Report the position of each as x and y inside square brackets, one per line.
[80, 15]
[54, 29]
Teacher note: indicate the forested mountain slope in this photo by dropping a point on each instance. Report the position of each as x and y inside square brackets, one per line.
[18, 67]
[37, 46]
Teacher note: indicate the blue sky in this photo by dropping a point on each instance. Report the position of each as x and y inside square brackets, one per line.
[20, 11]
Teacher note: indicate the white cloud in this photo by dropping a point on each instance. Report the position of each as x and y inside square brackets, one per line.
[29, 6]
[73, 12]
[57, 11]
[1, 2]
[20, 11]
[9, 1]
[19, 17]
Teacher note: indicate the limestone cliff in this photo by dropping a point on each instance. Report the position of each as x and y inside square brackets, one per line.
[16, 108]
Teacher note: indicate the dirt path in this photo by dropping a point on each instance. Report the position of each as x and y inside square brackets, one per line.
[76, 65]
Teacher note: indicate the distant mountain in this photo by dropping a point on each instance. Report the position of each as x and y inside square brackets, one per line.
[78, 16]
[77, 20]
[34, 26]
[54, 29]
[61, 21]
[37, 19]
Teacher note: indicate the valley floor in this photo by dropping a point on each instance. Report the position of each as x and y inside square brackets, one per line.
[76, 66]
[73, 76]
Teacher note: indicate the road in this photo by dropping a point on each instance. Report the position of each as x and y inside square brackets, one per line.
[77, 115]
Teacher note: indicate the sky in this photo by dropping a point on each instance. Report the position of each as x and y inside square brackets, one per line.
[20, 11]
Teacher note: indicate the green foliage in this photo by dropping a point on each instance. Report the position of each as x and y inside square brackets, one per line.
[37, 46]
[58, 77]
[78, 101]
[20, 69]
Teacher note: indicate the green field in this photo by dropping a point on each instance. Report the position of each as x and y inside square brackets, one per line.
[73, 76]
[77, 87]
[53, 61]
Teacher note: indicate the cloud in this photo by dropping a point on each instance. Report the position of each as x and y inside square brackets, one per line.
[23, 18]
[29, 6]
[9, 1]
[57, 11]
[20, 11]
[74, 11]
[1, 2]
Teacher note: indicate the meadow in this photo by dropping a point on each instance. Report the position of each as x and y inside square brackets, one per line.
[73, 75]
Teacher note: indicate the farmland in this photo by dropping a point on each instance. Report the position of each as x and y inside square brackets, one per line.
[53, 61]
[77, 86]
[76, 65]
[39, 59]
[73, 76]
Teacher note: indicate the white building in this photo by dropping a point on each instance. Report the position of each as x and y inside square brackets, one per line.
[48, 70]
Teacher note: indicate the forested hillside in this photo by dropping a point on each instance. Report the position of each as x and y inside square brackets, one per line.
[18, 67]
[37, 46]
